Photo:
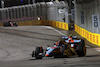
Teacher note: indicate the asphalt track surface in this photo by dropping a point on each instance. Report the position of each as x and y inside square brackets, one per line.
[17, 44]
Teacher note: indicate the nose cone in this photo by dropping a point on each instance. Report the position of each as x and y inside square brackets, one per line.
[47, 55]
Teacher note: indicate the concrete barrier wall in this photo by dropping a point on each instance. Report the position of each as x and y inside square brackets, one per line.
[26, 23]
[84, 14]
[29, 23]
[1, 24]
[61, 25]
[87, 21]
[91, 37]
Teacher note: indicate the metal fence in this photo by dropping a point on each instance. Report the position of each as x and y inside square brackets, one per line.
[18, 13]
[46, 11]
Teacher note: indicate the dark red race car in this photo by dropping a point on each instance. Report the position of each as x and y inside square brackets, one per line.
[9, 24]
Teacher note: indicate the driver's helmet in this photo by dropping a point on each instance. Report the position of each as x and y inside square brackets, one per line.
[70, 35]
[56, 43]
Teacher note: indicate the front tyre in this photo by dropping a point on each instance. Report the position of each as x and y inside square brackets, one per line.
[15, 24]
[33, 54]
[38, 51]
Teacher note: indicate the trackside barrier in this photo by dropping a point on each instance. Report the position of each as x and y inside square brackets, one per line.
[44, 22]
[29, 23]
[1, 24]
[57, 24]
[91, 37]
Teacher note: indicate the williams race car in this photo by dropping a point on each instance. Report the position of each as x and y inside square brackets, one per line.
[67, 46]
[9, 23]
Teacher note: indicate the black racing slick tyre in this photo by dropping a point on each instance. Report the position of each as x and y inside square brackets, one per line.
[16, 24]
[32, 53]
[37, 51]
[4, 24]
[65, 51]
[81, 49]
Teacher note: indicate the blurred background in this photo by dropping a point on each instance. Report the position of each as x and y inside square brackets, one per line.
[9, 3]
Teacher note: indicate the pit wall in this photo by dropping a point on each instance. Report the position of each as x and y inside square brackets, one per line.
[61, 25]
[91, 37]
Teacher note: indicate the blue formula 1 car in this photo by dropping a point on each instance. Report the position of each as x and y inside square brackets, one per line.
[67, 46]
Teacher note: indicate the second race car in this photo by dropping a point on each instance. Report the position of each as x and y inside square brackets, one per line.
[9, 23]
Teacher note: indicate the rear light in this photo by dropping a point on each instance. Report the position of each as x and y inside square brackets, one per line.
[47, 55]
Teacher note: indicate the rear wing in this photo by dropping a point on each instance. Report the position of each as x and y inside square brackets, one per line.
[74, 37]
[74, 41]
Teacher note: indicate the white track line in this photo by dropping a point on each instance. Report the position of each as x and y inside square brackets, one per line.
[87, 46]
[56, 30]
[61, 33]
[97, 49]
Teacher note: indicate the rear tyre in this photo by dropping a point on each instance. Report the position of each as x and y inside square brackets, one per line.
[15, 24]
[4, 24]
[81, 49]
[37, 51]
